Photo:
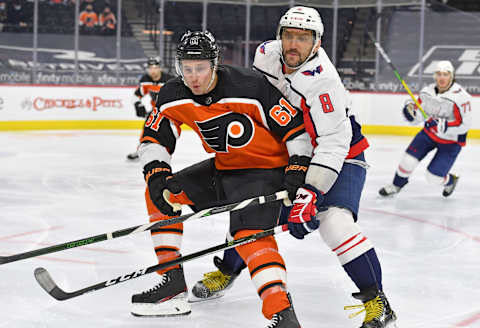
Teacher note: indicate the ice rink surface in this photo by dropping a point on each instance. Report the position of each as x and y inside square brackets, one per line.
[61, 186]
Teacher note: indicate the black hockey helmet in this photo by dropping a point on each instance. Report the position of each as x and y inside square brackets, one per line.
[197, 45]
[154, 61]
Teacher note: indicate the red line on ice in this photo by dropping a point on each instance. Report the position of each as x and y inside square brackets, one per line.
[441, 226]
[467, 322]
[30, 232]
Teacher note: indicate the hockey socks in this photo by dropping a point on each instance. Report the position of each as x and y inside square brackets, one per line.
[167, 240]
[267, 270]
[399, 181]
[365, 270]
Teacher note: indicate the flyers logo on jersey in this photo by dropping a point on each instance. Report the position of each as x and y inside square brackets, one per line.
[227, 130]
[317, 70]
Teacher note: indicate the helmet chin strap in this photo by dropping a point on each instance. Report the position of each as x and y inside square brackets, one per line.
[214, 73]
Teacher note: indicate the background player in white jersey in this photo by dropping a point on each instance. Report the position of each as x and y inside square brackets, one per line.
[152, 81]
[297, 65]
[449, 108]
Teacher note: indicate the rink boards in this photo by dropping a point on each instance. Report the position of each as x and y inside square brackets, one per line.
[43, 107]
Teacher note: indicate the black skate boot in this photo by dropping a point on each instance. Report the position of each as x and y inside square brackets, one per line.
[214, 284]
[375, 304]
[133, 156]
[448, 190]
[284, 319]
[167, 298]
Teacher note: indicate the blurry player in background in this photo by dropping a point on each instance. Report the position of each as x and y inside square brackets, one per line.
[329, 200]
[248, 125]
[449, 107]
[150, 82]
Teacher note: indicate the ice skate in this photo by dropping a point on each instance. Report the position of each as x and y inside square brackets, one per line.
[167, 298]
[448, 190]
[133, 156]
[378, 313]
[284, 319]
[389, 190]
[214, 284]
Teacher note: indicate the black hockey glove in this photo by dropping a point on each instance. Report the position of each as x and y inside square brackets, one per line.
[140, 109]
[160, 181]
[295, 173]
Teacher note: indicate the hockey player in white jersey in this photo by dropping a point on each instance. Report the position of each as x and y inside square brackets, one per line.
[450, 111]
[297, 65]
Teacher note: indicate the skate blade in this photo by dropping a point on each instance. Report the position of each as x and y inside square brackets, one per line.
[172, 307]
[194, 299]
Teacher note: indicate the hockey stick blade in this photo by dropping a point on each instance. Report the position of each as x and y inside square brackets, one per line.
[148, 226]
[48, 284]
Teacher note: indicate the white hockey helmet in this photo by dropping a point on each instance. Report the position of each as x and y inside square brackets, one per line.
[305, 18]
[445, 66]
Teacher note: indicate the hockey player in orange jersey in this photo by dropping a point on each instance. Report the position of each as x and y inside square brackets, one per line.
[248, 125]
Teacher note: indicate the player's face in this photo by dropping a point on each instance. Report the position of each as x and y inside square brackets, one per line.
[443, 79]
[297, 45]
[197, 74]
[155, 72]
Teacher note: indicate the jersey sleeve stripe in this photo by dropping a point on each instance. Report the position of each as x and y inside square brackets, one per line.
[149, 139]
[458, 117]
[294, 132]
[327, 167]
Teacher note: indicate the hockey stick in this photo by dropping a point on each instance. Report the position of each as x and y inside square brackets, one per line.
[148, 226]
[395, 71]
[46, 282]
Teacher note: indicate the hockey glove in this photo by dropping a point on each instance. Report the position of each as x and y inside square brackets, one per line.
[295, 174]
[437, 124]
[161, 182]
[409, 112]
[302, 220]
[140, 109]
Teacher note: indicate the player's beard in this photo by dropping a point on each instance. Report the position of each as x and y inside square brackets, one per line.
[293, 63]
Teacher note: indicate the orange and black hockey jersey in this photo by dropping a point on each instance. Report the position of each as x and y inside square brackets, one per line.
[244, 120]
[147, 85]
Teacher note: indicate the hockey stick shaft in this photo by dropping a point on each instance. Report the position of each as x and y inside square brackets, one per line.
[395, 71]
[148, 226]
[46, 282]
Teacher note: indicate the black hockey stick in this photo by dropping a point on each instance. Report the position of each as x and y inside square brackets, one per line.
[45, 280]
[395, 71]
[148, 226]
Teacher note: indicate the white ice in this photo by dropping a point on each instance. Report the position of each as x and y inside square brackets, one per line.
[61, 186]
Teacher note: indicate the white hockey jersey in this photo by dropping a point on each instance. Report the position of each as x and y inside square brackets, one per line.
[317, 90]
[454, 105]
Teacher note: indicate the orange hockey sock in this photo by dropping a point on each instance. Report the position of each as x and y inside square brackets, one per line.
[267, 270]
[167, 240]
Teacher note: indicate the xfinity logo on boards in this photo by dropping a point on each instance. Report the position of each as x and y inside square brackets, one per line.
[465, 60]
